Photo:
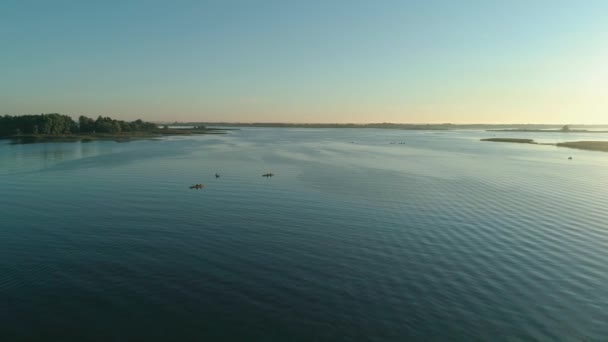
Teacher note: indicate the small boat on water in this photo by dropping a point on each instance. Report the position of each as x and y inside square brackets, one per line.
[270, 174]
[197, 186]
[217, 175]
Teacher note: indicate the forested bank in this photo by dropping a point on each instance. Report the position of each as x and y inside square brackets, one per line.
[58, 124]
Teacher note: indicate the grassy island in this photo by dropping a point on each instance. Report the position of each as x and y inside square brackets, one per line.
[581, 145]
[62, 128]
[586, 145]
[511, 140]
[545, 131]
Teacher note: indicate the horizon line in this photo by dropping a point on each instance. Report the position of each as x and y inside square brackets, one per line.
[324, 123]
[375, 123]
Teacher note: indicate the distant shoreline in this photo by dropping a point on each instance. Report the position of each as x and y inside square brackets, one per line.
[55, 127]
[544, 131]
[117, 137]
[402, 126]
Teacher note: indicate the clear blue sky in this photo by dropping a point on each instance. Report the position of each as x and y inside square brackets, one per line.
[308, 61]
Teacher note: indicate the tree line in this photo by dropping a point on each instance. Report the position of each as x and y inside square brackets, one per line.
[57, 124]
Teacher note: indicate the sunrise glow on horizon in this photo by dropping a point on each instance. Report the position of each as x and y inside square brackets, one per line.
[315, 61]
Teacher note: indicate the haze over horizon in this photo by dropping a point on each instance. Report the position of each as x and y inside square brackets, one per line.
[489, 62]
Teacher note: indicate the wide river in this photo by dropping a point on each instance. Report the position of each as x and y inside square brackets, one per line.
[362, 234]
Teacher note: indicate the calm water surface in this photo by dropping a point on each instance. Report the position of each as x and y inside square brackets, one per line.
[442, 237]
